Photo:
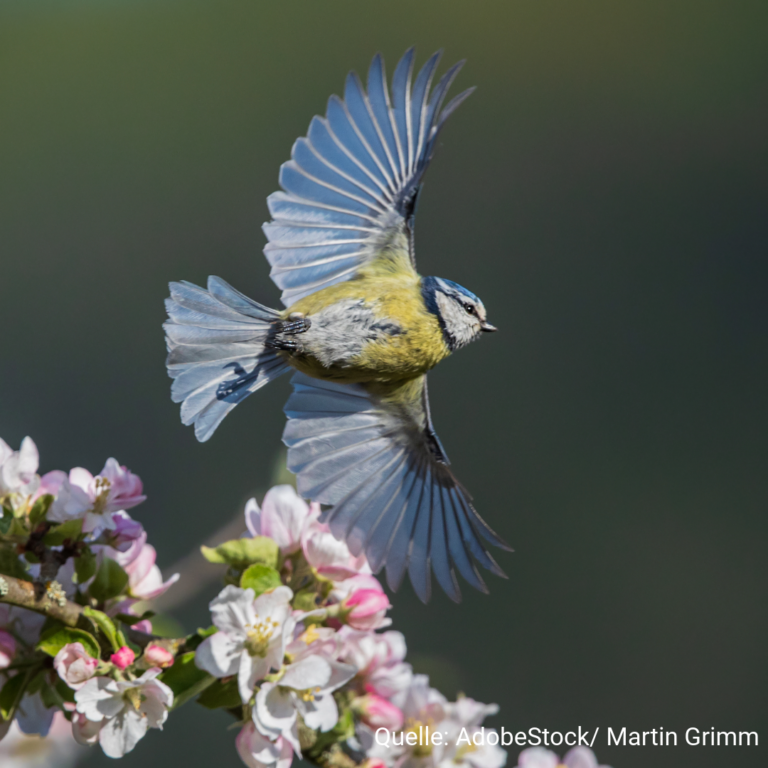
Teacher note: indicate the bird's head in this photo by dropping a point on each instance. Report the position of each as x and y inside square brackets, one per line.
[460, 313]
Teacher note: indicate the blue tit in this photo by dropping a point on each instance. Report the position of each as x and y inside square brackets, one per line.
[360, 330]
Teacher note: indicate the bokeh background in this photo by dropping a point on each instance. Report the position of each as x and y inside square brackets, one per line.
[605, 192]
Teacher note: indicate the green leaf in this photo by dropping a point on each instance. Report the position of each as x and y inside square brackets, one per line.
[40, 510]
[60, 533]
[305, 599]
[260, 578]
[105, 625]
[11, 694]
[185, 679]
[193, 641]
[66, 693]
[343, 730]
[58, 635]
[110, 581]
[10, 565]
[85, 566]
[243, 552]
[5, 520]
[130, 620]
[221, 695]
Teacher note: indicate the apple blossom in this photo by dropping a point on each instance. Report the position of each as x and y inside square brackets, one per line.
[126, 709]
[95, 499]
[258, 752]
[329, 556]
[74, 665]
[123, 658]
[126, 531]
[145, 580]
[251, 636]
[377, 712]
[538, 757]
[305, 688]
[378, 658]
[157, 656]
[283, 517]
[7, 648]
[18, 469]
[368, 609]
[33, 716]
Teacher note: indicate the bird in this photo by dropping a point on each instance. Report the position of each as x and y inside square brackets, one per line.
[360, 330]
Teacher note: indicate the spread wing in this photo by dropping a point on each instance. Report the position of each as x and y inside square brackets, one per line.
[378, 461]
[350, 186]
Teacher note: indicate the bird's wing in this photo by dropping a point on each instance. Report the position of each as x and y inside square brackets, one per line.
[350, 187]
[377, 460]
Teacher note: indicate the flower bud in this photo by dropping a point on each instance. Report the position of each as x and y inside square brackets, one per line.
[74, 665]
[123, 658]
[7, 648]
[157, 656]
[377, 712]
[368, 608]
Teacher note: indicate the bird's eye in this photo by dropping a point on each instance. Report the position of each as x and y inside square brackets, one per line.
[469, 309]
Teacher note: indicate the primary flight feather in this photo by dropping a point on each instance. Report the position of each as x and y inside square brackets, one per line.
[360, 332]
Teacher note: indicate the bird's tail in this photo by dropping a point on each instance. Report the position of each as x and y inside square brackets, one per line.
[216, 351]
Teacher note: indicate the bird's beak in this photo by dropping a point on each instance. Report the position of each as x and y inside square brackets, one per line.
[487, 327]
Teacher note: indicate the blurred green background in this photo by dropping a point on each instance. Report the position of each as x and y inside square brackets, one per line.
[605, 192]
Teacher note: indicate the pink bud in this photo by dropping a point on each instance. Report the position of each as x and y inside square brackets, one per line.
[7, 648]
[74, 665]
[377, 712]
[368, 608]
[123, 658]
[157, 656]
[374, 762]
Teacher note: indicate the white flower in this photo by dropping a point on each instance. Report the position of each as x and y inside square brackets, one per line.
[283, 517]
[464, 718]
[95, 499]
[378, 658]
[125, 709]
[329, 556]
[305, 688]
[257, 752]
[538, 757]
[251, 637]
[18, 469]
[33, 716]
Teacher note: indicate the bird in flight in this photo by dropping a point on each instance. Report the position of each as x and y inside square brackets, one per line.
[360, 331]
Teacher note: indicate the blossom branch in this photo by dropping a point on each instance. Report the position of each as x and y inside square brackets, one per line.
[40, 599]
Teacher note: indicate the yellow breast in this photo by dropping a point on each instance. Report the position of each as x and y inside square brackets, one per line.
[392, 295]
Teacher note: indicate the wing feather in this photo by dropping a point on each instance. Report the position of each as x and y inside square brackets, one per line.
[359, 168]
[376, 461]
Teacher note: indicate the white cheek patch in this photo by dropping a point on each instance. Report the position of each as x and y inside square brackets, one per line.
[461, 326]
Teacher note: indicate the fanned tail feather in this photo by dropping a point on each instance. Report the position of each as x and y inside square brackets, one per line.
[216, 352]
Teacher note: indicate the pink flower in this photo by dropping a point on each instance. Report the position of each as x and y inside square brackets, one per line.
[145, 581]
[95, 499]
[378, 657]
[125, 488]
[283, 517]
[369, 608]
[157, 656]
[74, 665]
[126, 531]
[256, 751]
[377, 712]
[329, 556]
[123, 658]
[7, 648]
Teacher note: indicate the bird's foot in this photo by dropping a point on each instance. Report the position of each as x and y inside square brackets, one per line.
[294, 325]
